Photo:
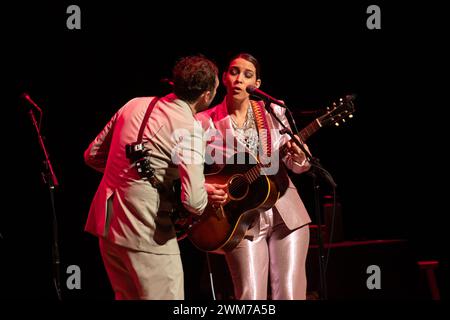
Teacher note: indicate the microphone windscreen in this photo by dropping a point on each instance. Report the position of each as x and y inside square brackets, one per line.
[250, 89]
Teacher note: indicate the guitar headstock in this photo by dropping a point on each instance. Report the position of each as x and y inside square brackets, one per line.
[339, 111]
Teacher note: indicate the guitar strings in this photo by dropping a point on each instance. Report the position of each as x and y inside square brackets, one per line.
[240, 183]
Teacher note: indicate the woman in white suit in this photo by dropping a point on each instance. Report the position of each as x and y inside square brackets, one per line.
[278, 242]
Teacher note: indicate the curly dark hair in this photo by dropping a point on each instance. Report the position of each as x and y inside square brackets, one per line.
[192, 76]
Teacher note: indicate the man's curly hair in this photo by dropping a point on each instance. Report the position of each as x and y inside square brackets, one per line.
[192, 76]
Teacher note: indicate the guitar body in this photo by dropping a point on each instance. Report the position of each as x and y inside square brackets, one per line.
[220, 229]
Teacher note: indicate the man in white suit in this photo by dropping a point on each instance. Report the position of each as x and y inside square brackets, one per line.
[129, 215]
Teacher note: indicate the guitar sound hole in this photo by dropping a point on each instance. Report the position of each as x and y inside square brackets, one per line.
[238, 187]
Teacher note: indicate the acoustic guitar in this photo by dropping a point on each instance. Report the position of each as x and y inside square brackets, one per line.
[220, 228]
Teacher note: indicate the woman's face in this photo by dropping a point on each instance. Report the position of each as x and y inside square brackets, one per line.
[239, 75]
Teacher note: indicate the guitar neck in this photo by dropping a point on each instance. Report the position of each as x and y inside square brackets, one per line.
[254, 173]
[338, 112]
[304, 134]
[309, 130]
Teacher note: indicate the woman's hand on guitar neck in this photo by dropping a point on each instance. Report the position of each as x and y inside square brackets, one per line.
[297, 155]
[216, 193]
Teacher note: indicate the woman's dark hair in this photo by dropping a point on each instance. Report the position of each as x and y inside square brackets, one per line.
[192, 76]
[249, 58]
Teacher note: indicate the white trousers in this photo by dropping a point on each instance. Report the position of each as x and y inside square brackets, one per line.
[142, 275]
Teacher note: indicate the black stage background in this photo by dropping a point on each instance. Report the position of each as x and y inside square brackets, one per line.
[385, 160]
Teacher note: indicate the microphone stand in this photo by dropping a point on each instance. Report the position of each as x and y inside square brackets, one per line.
[316, 171]
[51, 181]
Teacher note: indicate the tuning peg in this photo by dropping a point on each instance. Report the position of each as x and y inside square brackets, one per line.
[343, 120]
[336, 124]
[350, 116]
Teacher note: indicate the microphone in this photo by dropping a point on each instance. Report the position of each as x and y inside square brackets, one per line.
[26, 96]
[261, 94]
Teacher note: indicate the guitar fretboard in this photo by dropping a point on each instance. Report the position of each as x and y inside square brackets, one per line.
[309, 130]
[304, 134]
[253, 174]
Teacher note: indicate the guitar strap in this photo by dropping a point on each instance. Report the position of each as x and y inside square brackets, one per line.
[150, 177]
[281, 178]
[263, 128]
[145, 120]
